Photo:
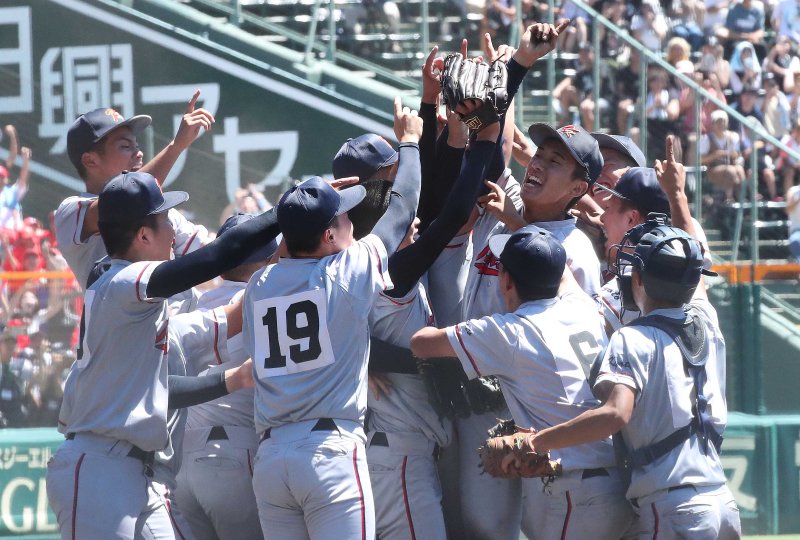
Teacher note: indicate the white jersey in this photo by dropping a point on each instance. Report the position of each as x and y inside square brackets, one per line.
[581, 257]
[81, 255]
[189, 334]
[541, 355]
[235, 409]
[447, 280]
[118, 384]
[405, 408]
[482, 294]
[305, 326]
[647, 360]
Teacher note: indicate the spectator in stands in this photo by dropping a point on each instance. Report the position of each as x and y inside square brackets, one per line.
[747, 105]
[745, 68]
[649, 25]
[12, 411]
[786, 20]
[249, 200]
[577, 92]
[12, 194]
[611, 46]
[498, 18]
[678, 50]
[793, 212]
[662, 109]
[776, 109]
[683, 15]
[720, 151]
[44, 393]
[787, 165]
[745, 22]
[714, 15]
[782, 64]
[713, 61]
[372, 13]
[578, 31]
[626, 92]
[687, 117]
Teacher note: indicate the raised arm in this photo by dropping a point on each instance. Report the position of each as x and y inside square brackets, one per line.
[194, 120]
[22, 181]
[13, 145]
[402, 210]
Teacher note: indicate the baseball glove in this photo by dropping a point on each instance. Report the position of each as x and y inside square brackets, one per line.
[509, 454]
[463, 79]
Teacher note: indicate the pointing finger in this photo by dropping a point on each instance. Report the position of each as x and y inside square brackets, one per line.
[191, 104]
[670, 149]
[464, 48]
[398, 106]
[429, 60]
[562, 25]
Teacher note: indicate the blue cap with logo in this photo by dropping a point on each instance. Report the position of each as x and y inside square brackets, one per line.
[639, 186]
[579, 142]
[131, 196]
[308, 208]
[92, 126]
[363, 156]
[534, 258]
[262, 254]
[621, 144]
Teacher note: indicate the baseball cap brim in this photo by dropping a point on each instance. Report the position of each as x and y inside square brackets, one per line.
[349, 198]
[539, 133]
[171, 200]
[607, 141]
[137, 123]
[612, 191]
[497, 244]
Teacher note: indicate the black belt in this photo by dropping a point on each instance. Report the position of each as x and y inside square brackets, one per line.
[135, 452]
[378, 438]
[217, 433]
[635, 502]
[592, 473]
[323, 424]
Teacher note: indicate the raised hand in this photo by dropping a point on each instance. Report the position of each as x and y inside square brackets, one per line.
[671, 173]
[194, 120]
[502, 53]
[538, 40]
[341, 183]
[407, 123]
[501, 207]
[432, 76]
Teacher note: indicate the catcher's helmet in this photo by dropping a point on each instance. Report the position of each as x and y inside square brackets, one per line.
[669, 260]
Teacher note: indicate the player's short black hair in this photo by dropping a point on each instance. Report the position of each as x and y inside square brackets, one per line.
[117, 237]
[306, 244]
[366, 214]
[580, 175]
[528, 294]
[98, 147]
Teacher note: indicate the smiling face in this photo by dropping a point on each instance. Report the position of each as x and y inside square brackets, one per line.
[116, 152]
[617, 219]
[551, 180]
[615, 163]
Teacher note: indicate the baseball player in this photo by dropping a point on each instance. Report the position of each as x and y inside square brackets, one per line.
[305, 326]
[215, 484]
[662, 383]
[541, 348]
[101, 144]
[100, 480]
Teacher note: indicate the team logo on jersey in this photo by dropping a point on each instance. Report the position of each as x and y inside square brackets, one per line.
[162, 342]
[114, 115]
[569, 131]
[486, 263]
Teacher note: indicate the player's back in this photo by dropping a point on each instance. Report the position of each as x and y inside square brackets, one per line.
[305, 326]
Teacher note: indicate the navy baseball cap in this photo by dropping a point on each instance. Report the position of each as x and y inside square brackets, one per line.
[363, 156]
[92, 126]
[308, 208]
[259, 255]
[621, 144]
[533, 256]
[133, 195]
[579, 142]
[639, 186]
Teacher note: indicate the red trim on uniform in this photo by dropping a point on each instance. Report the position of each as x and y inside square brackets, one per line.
[405, 500]
[566, 518]
[75, 492]
[655, 520]
[380, 266]
[216, 337]
[138, 296]
[453, 246]
[397, 302]
[360, 494]
[77, 221]
[250, 463]
[172, 518]
[189, 243]
[461, 342]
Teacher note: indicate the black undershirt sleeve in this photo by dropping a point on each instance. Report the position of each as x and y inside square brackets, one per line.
[185, 391]
[221, 255]
[408, 265]
[387, 358]
[427, 158]
[393, 225]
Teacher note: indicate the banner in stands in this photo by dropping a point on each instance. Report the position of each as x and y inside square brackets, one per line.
[59, 59]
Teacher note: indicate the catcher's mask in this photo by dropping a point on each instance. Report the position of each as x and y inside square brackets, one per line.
[669, 260]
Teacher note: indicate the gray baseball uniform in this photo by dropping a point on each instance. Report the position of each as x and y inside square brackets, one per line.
[215, 484]
[103, 463]
[404, 432]
[305, 326]
[541, 355]
[682, 494]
